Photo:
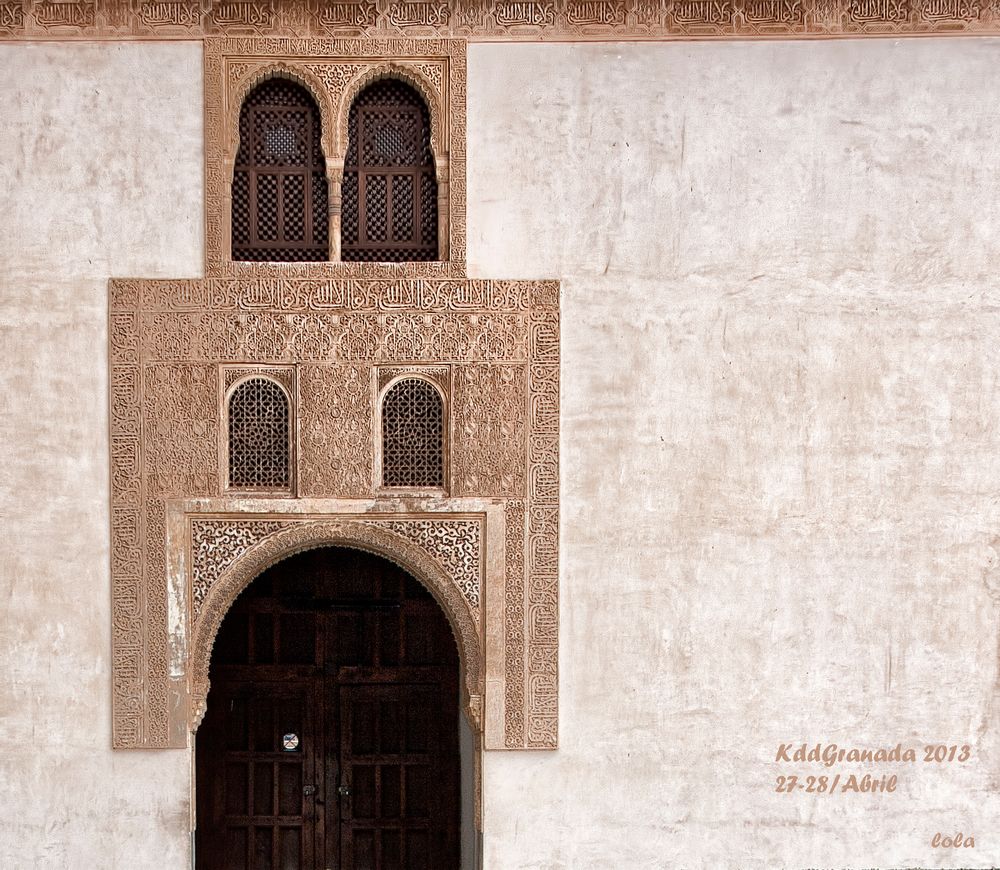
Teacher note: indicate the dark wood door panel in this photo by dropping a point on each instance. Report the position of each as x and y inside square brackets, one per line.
[400, 765]
[253, 806]
[355, 659]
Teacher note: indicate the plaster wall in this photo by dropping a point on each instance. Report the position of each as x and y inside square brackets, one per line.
[780, 439]
[100, 175]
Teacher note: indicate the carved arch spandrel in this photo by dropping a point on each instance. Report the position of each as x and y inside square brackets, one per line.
[303, 536]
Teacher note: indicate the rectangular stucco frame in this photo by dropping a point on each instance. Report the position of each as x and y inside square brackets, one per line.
[170, 343]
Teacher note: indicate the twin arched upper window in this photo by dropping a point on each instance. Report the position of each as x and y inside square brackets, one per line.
[388, 190]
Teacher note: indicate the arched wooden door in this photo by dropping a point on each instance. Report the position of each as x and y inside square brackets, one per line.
[331, 736]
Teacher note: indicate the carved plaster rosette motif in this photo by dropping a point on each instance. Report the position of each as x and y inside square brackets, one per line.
[335, 71]
[493, 344]
[494, 20]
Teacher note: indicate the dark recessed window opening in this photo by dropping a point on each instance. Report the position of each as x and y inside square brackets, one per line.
[412, 435]
[259, 436]
[389, 195]
[280, 210]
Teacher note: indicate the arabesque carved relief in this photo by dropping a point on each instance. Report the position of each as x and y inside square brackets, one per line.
[182, 548]
[216, 545]
[494, 20]
[445, 554]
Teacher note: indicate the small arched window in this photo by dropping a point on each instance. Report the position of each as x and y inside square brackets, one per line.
[259, 436]
[280, 210]
[412, 435]
[389, 195]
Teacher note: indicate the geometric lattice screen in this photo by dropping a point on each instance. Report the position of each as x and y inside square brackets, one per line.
[389, 209]
[259, 436]
[280, 193]
[412, 435]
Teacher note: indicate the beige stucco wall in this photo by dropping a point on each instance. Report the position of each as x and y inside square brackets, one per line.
[100, 174]
[781, 440]
[781, 452]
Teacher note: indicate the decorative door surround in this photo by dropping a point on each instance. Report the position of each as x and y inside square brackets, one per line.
[216, 547]
[182, 549]
[332, 336]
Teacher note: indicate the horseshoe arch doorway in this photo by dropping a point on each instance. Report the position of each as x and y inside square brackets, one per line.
[332, 738]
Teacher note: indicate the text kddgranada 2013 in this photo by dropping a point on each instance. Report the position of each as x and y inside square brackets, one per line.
[830, 754]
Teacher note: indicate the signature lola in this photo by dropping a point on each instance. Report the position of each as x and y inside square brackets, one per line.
[958, 841]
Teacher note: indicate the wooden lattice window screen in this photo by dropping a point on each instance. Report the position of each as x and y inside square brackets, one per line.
[389, 194]
[412, 435]
[280, 211]
[259, 436]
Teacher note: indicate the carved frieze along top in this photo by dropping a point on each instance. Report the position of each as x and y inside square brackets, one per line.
[493, 20]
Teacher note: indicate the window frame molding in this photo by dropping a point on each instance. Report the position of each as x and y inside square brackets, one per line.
[335, 72]
[439, 379]
[231, 378]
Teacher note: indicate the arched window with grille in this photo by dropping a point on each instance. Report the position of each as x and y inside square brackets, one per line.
[280, 198]
[413, 435]
[389, 194]
[259, 436]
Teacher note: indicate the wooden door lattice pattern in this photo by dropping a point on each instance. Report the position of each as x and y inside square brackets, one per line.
[331, 735]
[389, 193]
[280, 196]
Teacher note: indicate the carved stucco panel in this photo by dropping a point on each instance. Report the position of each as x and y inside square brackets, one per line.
[175, 345]
[336, 430]
[490, 422]
[493, 20]
[216, 544]
[275, 337]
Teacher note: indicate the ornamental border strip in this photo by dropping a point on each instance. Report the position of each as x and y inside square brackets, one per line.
[495, 20]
